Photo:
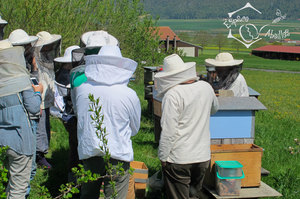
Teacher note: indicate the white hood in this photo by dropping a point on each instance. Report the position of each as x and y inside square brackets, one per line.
[109, 70]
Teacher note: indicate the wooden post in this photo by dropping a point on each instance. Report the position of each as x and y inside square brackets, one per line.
[175, 46]
[168, 43]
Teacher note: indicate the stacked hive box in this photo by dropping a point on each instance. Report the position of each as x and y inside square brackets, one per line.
[249, 155]
[140, 175]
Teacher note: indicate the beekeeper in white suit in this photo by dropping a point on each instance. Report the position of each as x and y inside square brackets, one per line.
[107, 74]
[46, 49]
[226, 70]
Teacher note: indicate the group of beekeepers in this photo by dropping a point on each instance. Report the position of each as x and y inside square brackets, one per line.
[35, 81]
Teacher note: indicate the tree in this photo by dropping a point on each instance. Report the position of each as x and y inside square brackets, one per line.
[202, 38]
[236, 44]
[220, 40]
[185, 36]
[124, 19]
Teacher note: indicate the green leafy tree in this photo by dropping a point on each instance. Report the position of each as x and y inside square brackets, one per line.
[202, 38]
[236, 44]
[125, 19]
[220, 41]
[185, 36]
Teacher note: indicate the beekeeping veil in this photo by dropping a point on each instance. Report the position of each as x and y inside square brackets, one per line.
[63, 66]
[3, 23]
[174, 72]
[14, 77]
[91, 43]
[19, 37]
[227, 70]
[47, 49]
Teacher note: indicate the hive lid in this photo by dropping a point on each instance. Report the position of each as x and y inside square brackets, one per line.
[151, 68]
[229, 164]
[240, 103]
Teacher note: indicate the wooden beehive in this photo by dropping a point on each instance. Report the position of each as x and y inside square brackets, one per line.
[234, 123]
[140, 175]
[249, 155]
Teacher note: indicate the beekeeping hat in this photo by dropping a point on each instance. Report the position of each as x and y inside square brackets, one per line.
[45, 38]
[67, 58]
[62, 72]
[92, 42]
[4, 44]
[2, 21]
[223, 60]
[13, 73]
[20, 37]
[109, 67]
[173, 64]
[98, 38]
[111, 55]
[174, 72]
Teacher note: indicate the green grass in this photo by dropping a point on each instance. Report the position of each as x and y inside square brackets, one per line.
[275, 129]
[250, 61]
[216, 26]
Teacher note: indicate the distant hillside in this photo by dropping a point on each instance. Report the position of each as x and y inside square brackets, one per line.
[211, 9]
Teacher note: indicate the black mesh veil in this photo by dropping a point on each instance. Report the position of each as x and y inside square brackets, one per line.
[78, 54]
[50, 51]
[2, 26]
[29, 54]
[223, 77]
[62, 72]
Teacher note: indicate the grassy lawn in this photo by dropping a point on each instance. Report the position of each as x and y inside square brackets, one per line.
[250, 61]
[276, 129]
[216, 26]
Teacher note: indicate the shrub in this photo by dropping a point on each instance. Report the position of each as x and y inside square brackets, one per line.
[125, 19]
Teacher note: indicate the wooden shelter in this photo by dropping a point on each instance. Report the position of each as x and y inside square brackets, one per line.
[278, 52]
[171, 42]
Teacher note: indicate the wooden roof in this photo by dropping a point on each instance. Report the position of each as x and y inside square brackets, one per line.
[279, 49]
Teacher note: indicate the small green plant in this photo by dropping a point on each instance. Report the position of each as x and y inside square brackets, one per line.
[101, 133]
[67, 190]
[3, 172]
[296, 148]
